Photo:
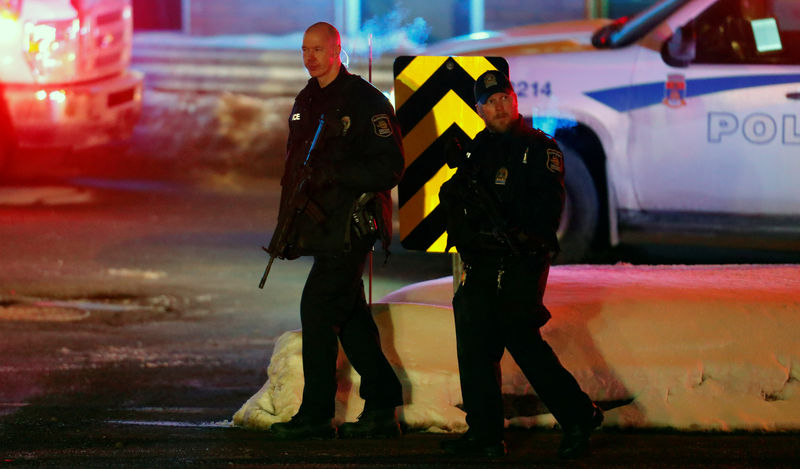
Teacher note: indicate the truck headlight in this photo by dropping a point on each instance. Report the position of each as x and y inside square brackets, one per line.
[9, 14]
[51, 49]
[10, 8]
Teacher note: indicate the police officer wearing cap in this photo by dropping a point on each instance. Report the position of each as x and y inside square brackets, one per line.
[503, 206]
[360, 159]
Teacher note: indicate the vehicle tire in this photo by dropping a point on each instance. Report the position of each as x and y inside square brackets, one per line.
[579, 219]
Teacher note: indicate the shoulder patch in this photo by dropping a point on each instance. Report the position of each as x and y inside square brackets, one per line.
[381, 125]
[555, 161]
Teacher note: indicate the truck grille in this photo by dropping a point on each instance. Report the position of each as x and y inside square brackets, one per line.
[121, 97]
[109, 18]
[108, 60]
[104, 49]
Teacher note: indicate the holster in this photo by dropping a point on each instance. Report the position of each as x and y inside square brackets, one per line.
[364, 215]
[368, 220]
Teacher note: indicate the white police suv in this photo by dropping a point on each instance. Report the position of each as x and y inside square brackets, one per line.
[679, 124]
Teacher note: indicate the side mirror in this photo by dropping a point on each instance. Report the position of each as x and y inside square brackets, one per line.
[679, 49]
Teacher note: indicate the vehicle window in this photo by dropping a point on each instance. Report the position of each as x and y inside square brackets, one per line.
[749, 32]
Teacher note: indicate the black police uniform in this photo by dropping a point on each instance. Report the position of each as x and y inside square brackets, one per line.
[360, 152]
[499, 303]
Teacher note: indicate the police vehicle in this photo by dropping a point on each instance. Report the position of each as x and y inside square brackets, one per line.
[680, 124]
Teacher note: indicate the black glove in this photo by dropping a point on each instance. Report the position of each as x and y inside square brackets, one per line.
[454, 153]
[459, 190]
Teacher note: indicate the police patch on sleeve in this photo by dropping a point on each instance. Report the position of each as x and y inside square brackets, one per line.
[555, 161]
[381, 125]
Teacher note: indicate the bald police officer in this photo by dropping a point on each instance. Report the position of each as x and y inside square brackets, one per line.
[360, 159]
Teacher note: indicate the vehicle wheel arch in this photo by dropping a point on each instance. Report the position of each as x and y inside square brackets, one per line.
[581, 141]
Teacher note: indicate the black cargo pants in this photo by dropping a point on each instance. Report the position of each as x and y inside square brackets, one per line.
[333, 306]
[490, 319]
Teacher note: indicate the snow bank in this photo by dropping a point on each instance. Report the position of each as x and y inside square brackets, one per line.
[685, 347]
[223, 132]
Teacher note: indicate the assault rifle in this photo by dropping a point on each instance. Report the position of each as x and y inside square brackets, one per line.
[299, 201]
[487, 205]
[476, 194]
[516, 241]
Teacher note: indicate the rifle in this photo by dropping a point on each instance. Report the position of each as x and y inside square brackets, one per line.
[299, 201]
[477, 195]
[488, 206]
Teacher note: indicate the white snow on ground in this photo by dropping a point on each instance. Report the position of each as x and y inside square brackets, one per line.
[692, 347]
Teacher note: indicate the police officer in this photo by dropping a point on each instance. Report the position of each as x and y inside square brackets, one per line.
[503, 207]
[360, 159]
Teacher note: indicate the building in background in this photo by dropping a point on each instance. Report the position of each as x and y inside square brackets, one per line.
[445, 18]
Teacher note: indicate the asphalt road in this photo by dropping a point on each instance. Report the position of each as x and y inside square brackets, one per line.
[99, 437]
[131, 330]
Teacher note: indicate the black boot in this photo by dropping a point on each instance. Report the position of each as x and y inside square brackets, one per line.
[470, 444]
[303, 428]
[380, 423]
[576, 437]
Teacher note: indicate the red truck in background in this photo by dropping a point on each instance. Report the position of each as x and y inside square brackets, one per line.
[65, 80]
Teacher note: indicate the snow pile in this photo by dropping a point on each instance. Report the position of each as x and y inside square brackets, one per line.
[685, 347]
[420, 344]
[224, 132]
[279, 399]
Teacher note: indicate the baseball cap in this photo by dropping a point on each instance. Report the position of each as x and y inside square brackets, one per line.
[489, 83]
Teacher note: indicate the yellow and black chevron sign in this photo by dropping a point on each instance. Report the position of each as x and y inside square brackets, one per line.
[434, 103]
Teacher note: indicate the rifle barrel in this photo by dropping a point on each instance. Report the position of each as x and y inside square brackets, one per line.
[283, 229]
[266, 270]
